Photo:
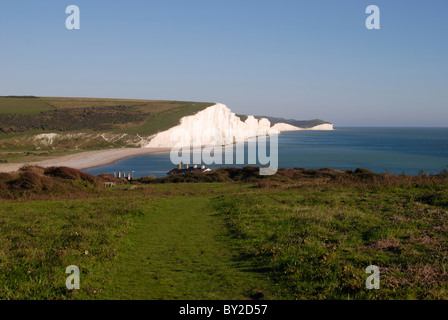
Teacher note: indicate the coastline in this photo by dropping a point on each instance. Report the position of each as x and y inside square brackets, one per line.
[217, 116]
[85, 160]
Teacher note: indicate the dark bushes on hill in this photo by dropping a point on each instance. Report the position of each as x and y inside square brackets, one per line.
[32, 182]
[251, 175]
[93, 118]
[70, 173]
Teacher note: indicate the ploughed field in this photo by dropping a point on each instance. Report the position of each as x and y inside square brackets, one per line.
[229, 234]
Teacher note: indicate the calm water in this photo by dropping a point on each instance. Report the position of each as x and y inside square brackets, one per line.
[378, 149]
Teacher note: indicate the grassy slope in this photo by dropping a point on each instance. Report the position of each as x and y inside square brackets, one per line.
[167, 117]
[161, 115]
[308, 239]
[23, 105]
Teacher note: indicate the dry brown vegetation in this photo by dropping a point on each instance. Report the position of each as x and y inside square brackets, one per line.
[37, 183]
[302, 177]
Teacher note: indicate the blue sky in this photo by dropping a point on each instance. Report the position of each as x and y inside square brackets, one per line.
[295, 59]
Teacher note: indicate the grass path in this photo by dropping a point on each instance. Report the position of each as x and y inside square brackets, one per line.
[182, 252]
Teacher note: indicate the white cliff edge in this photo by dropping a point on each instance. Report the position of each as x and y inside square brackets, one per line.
[279, 127]
[323, 127]
[215, 125]
[218, 125]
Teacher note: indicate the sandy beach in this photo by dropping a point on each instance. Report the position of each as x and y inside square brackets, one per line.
[85, 160]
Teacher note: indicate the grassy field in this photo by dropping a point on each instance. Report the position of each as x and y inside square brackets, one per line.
[33, 105]
[11, 105]
[297, 235]
[320, 240]
[40, 239]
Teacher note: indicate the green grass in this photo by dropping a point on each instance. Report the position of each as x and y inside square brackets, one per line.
[18, 155]
[305, 238]
[32, 105]
[182, 252]
[40, 239]
[319, 240]
[151, 243]
[23, 105]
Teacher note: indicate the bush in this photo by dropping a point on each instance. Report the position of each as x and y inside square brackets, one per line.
[63, 172]
[70, 173]
[28, 180]
[39, 183]
[4, 177]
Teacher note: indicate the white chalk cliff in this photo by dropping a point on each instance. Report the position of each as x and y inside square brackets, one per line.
[279, 127]
[218, 125]
[323, 127]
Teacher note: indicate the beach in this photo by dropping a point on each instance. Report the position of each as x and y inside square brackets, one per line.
[85, 160]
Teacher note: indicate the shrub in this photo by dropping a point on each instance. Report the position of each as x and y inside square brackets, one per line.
[70, 173]
[28, 180]
[63, 172]
[4, 177]
[39, 183]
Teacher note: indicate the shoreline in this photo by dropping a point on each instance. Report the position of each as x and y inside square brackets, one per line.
[85, 160]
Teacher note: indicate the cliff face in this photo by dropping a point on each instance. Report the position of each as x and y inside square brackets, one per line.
[279, 127]
[216, 125]
[325, 126]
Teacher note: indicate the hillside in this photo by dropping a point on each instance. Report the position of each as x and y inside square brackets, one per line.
[25, 114]
[28, 124]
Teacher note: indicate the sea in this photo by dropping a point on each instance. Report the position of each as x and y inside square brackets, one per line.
[397, 150]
